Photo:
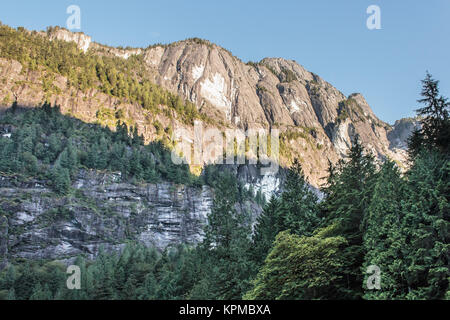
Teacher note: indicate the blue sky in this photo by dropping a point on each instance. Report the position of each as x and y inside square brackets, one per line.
[329, 38]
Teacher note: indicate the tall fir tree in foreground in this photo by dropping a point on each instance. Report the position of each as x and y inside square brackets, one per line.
[408, 221]
[266, 229]
[296, 210]
[383, 239]
[426, 227]
[435, 120]
[298, 206]
[227, 243]
[347, 197]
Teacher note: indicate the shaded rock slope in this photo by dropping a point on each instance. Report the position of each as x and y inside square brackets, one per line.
[102, 212]
[317, 122]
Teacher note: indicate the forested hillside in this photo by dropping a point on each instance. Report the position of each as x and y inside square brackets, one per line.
[373, 215]
[45, 144]
[162, 88]
[121, 78]
[301, 248]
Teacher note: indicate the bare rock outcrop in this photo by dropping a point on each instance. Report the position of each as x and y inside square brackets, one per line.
[106, 212]
[318, 123]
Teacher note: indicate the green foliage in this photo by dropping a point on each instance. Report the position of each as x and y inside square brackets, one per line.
[121, 78]
[47, 145]
[408, 230]
[266, 229]
[343, 112]
[299, 268]
[60, 179]
[200, 41]
[226, 247]
[426, 226]
[383, 240]
[435, 131]
[288, 135]
[288, 75]
[271, 70]
[252, 64]
[347, 197]
[261, 89]
[300, 248]
[298, 207]
[350, 107]
[296, 210]
[137, 273]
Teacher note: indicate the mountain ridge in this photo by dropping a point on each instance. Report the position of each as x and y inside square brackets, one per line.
[317, 122]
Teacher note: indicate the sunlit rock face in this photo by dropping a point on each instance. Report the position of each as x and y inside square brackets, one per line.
[317, 122]
[274, 93]
[83, 41]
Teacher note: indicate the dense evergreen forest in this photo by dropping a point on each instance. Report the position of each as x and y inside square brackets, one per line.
[301, 248]
[48, 145]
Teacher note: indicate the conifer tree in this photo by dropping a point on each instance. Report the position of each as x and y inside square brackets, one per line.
[426, 227]
[60, 179]
[347, 197]
[266, 229]
[298, 206]
[435, 120]
[11, 294]
[227, 242]
[41, 293]
[383, 240]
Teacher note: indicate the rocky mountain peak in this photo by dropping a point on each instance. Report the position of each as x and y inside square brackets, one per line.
[82, 40]
[317, 122]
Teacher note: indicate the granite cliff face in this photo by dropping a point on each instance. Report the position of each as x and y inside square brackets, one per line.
[83, 41]
[104, 213]
[317, 122]
[401, 131]
[274, 93]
